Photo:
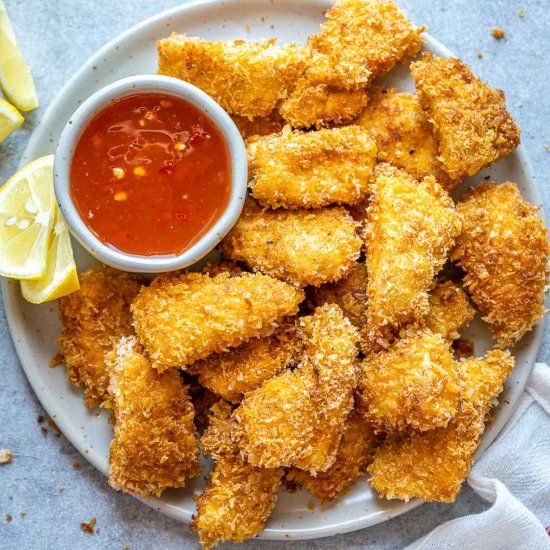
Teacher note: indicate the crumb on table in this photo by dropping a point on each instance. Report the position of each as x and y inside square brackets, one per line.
[521, 13]
[498, 33]
[5, 456]
[88, 527]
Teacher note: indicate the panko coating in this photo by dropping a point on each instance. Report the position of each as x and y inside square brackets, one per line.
[503, 248]
[433, 465]
[412, 226]
[155, 443]
[303, 247]
[413, 384]
[259, 126]
[182, 318]
[469, 119]
[246, 78]
[361, 40]
[355, 453]
[239, 497]
[313, 169]
[403, 135]
[233, 373]
[318, 105]
[297, 418]
[94, 318]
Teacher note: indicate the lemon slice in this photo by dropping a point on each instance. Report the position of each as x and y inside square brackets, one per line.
[61, 277]
[15, 76]
[10, 119]
[27, 212]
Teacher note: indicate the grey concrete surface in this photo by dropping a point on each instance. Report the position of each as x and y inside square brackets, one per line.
[57, 36]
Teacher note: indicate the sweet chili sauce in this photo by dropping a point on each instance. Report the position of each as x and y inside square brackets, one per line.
[150, 174]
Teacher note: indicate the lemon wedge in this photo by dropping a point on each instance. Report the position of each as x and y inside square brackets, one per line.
[15, 76]
[27, 215]
[10, 119]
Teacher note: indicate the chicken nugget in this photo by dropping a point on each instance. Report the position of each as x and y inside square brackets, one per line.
[355, 453]
[303, 247]
[469, 119]
[182, 318]
[412, 226]
[239, 497]
[247, 79]
[413, 384]
[313, 169]
[433, 465]
[504, 250]
[314, 104]
[361, 40]
[94, 318]
[242, 369]
[297, 418]
[155, 443]
[259, 126]
[403, 135]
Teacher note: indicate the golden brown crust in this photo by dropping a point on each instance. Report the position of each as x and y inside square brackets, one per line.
[313, 169]
[259, 126]
[361, 40]
[247, 79]
[182, 318]
[296, 418]
[94, 318]
[403, 135]
[503, 248]
[303, 247]
[413, 384]
[155, 442]
[432, 465]
[470, 120]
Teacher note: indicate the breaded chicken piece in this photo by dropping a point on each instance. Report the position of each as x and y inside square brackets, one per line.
[94, 318]
[411, 228]
[355, 453]
[155, 443]
[413, 384]
[361, 40]
[449, 310]
[239, 497]
[313, 169]
[504, 249]
[297, 418]
[433, 465]
[303, 247]
[318, 105]
[259, 126]
[246, 78]
[403, 135]
[469, 119]
[233, 373]
[350, 293]
[182, 318]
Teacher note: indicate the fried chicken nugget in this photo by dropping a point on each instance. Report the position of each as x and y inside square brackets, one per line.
[297, 418]
[246, 78]
[182, 318]
[361, 40]
[403, 135]
[239, 497]
[432, 465]
[155, 444]
[504, 249]
[259, 126]
[94, 318]
[355, 453]
[411, 228]
[244, 368]
[413, 384]
[313, 169]
[303, 247]
[318, 105]
[469, 119]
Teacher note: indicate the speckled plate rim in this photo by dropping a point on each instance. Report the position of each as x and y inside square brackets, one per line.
[16, 321]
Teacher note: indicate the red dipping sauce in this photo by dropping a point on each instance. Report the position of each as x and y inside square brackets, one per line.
[150, 174]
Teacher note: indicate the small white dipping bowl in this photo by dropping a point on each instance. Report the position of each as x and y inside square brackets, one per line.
[69, 139]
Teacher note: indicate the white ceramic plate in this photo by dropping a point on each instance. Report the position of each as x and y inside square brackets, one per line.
[34, 328]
